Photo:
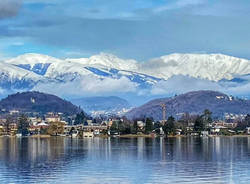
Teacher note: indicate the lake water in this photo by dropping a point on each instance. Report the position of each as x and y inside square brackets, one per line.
[117, 160]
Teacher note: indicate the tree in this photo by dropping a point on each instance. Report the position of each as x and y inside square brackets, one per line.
[81, 118]
[207, 117]
[241, 126]
[247, 119]
[135, 127]
[23, 125]
[114, 126]
[43, 131]
[169, 126]
[55, 128]
[149, 125]
[121, 127]
[199, 124]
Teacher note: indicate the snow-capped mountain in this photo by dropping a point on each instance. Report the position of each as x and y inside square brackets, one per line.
[15, 77]
[38, 68]
[110, 73]
[104, 60]
[213, 67]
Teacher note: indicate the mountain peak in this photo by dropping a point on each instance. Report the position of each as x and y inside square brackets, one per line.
[32, 59]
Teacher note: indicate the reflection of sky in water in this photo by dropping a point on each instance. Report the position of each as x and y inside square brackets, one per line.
[172, 160]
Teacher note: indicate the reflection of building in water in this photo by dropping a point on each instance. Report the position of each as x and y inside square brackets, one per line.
[248, 143]
[162, 149]
[217, 144]
[40, 148]
[140, 147]
[178, 147]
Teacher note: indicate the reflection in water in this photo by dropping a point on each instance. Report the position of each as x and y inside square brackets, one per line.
[138, 160]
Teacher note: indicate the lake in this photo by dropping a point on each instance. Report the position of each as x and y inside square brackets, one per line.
[121, 160]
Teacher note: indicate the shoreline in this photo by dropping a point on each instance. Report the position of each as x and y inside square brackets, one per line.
[127, 136]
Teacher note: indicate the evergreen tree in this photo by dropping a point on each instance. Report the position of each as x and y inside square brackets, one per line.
[23, 125]
[199, 124]
[149, 125]
[135, 127]
[207, 117]
[169, 126]
[80, 118]
[114, 126]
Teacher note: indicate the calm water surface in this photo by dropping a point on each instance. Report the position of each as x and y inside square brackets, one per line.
[172, 160]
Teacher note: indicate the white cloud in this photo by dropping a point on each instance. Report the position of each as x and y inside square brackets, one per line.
[89, 86]
[183, 84]
[94, 85]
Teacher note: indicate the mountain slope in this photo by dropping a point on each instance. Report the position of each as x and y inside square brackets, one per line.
[193, 102]
[110, 104]
[37, 102]
[205, 66]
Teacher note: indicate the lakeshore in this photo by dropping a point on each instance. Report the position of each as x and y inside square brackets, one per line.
[126, 136]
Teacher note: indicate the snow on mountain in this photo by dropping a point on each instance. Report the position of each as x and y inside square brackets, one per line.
[104, 60]
[15, 77]
[213, 67]
[29, 70]
[101, 66]
[36, 63]
[205, 66]
[15, 73]
[32, 59]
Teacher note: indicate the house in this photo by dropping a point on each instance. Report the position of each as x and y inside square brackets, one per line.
[141, 125]
[216, 129]
[248, 130]
[89, 122]
[224, 124]
[52, 118]
[12, 112]
[178, 131]
[88, 134]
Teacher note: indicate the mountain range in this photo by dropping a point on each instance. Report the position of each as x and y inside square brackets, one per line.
[195, 102]
[108, 75]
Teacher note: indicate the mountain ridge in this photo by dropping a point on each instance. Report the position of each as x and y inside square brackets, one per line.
[40, 72]
[194, 102]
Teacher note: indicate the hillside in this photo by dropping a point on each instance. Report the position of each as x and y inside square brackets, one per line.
[193, 102]
[37, 102]
[213, 67]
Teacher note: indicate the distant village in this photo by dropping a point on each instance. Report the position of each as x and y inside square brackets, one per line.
[18, 124]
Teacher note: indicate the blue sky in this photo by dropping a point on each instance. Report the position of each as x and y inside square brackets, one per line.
[139, 29]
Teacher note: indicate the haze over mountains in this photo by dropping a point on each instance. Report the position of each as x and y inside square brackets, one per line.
[106, 74]
[103, 105]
